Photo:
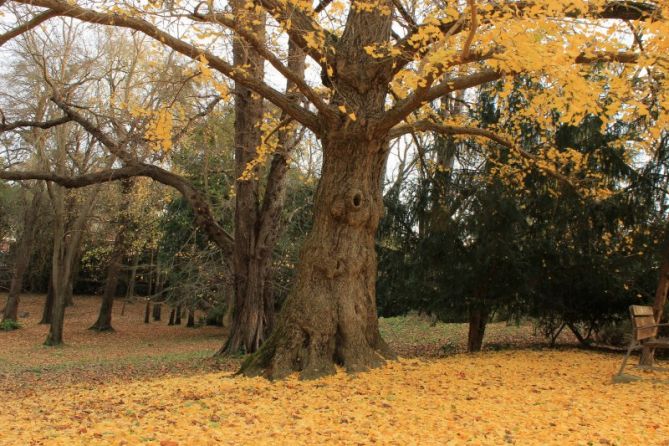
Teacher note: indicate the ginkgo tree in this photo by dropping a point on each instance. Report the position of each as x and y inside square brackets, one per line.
[382, 62]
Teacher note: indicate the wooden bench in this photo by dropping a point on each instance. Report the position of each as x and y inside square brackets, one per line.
[644, 332]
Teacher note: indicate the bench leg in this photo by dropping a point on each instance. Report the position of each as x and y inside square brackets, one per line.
[627, 355]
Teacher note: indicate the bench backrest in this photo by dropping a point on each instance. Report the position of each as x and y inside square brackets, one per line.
[643, 322]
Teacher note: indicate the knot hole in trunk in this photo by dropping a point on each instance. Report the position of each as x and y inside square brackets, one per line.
[356, 199]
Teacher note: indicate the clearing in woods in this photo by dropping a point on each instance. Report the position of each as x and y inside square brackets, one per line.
[122, 388]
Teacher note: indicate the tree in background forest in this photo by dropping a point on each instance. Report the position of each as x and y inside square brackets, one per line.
[492, 244]
[382, 64]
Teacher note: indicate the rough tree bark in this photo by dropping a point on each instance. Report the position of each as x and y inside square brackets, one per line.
[24, 250]
[329, 316]
[252, 311]
[253, 308]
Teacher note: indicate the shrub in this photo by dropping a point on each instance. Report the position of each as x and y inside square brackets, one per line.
[9, 324]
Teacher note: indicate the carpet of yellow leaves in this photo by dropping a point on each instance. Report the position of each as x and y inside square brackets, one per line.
[519, 397]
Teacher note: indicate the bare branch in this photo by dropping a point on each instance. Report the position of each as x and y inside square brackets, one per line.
[8, 126]
[405, 14]
[103, 176]
[301, 24]
[196, 200]
[64, 8]
[322, 5]
[27, 26]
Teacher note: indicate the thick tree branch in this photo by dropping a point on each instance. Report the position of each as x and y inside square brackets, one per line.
[300, 25]
[65, 9]
[403, 108]
[196, 200]
[192, 196]
[74, 182]
[27, 26]
[8, 126]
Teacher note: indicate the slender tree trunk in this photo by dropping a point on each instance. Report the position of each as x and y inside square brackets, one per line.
[157, 311]
[65, 256]
[330, 315]
[648, 355]
[257, 229]
[69, 287]
[23, 253]
[478, 319]
[147, 312]
[177, 316]
[172, 314]
[103, 322]
[59, 269]
[130, 293]
[251, 317]
[115, 264]
[191, 319]
[48, 304]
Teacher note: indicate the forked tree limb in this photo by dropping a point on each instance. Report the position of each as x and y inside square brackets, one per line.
[404, 107]
[197, 201]
[239, 28]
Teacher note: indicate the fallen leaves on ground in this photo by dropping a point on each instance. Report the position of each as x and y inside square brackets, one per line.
[515, 397]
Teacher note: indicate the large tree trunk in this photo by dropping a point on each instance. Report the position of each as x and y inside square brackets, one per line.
[330, 315]
[478, 319]
[23, 253]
